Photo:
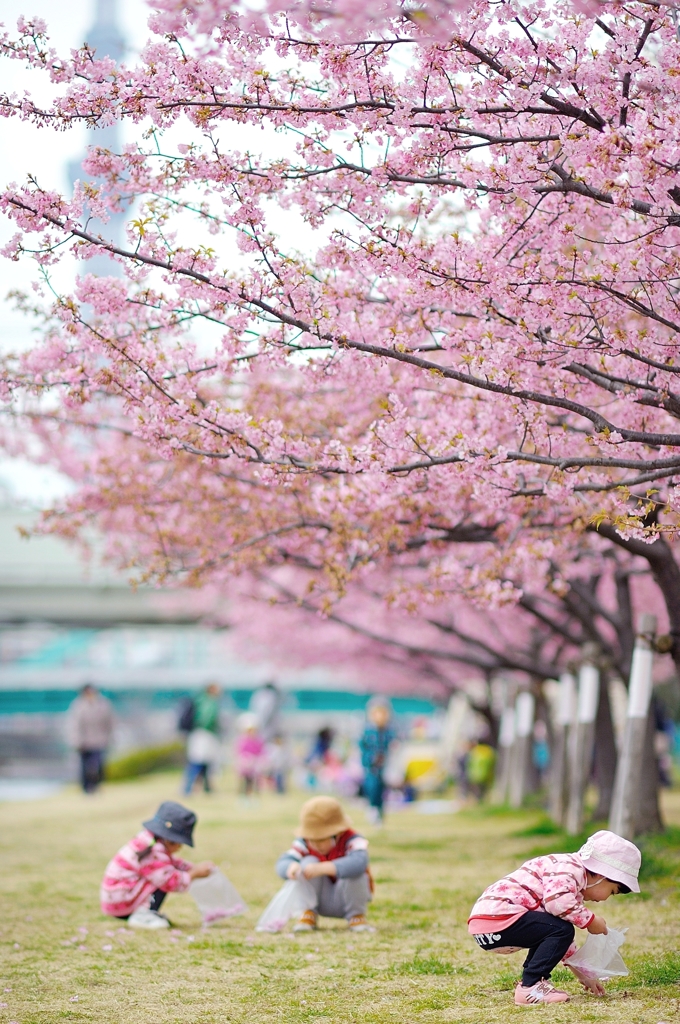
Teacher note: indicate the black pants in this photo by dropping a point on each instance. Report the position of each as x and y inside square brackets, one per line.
[546, 937]
[91, 769]
[156, 900]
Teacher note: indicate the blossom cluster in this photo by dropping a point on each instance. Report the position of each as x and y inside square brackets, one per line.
[476, 343]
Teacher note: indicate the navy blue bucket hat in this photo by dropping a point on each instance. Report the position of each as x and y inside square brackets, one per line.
[172, 822]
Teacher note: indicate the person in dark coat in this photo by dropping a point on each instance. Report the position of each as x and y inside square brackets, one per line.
[92, 722]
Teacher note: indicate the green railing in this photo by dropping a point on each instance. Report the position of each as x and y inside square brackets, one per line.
[57, 701]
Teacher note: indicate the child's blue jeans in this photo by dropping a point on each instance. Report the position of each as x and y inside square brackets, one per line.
[374, 789]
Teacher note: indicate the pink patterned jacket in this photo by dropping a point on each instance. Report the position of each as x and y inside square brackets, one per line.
[129, 881]
[553, 884]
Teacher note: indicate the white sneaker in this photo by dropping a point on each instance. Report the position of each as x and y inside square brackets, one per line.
[358, 923]
[146, 918]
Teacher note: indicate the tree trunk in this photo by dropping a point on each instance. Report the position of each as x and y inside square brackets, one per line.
[665, 571]
[666, 574]
[649, 818]
[605, 755]
[626, 624]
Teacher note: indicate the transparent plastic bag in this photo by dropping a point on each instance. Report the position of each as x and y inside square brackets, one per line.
[294, 897]
[599, 956]
[216, 898]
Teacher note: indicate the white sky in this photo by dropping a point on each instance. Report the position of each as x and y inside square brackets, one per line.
[26, 149]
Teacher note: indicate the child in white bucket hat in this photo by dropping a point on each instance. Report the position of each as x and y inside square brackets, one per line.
[537, 906]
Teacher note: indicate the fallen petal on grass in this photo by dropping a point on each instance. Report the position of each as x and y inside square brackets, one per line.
[421, 968]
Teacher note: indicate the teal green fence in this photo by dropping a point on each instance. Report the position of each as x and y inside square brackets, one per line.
[57, 701]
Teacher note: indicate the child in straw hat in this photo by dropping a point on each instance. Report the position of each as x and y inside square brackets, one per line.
[334, 859]
[537, 906]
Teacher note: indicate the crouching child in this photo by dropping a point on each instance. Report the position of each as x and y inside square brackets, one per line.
[537, 907]
[147, 868]
[334, 859]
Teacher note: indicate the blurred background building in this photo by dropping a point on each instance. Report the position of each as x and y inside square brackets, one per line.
[63, 624]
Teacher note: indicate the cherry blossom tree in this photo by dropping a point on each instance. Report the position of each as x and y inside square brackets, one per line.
[473, 346]
[447, 645]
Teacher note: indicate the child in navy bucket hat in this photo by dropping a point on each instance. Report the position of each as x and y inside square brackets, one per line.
[146, 869]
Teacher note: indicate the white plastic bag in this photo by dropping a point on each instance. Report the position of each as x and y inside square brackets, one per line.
[216, 898]
[599, 956]
[203, 747]
[294, 897]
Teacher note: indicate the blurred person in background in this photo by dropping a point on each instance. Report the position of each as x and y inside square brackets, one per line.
[664, 742]
[265, 704]
[250, 755]
[480, 764]
[374, 746]
[319, 755]
[462, 774]
[278, 762]
[540, 751]
[201, 721]
[91, 723]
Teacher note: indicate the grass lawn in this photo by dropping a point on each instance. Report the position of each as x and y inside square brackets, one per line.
[61, 960]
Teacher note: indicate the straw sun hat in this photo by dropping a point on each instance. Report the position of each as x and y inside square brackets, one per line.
[322, 817]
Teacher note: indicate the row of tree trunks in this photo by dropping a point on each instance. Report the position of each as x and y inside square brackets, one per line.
[627, 781]
[584, 747]
[559, 772]
[628, 814]
[582, 744]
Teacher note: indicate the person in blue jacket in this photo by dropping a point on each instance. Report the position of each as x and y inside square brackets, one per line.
[374, 746]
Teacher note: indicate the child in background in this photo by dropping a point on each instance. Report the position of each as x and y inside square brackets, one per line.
[146, 869]
[278, 762]
[537, 906]
[374, 745]
[481, 761]
[250, 753]
[334, 859]
[203, 739]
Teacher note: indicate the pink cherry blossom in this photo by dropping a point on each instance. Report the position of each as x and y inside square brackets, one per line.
[464, 373]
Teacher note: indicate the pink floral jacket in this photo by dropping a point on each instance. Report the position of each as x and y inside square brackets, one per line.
[130, 880]
[553, 884]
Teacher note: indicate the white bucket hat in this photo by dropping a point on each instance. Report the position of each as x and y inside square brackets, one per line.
[247, 721]
[617, 859]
